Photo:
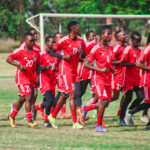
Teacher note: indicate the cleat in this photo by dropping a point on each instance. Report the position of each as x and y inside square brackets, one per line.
[145, 118]
[52, 121]
[12, 122]
[101, 129]
[83, 115]
[122, 122]
[65, 116]
[77, 126]
[33, 112]
[12, 107]
[32, 124]
[127, 117]
[104, 125]
[41, 113]
[47, 124]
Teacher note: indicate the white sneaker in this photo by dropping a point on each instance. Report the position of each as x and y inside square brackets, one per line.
[127, 118]
[145, 119]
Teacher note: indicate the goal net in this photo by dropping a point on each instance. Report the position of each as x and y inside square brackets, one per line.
[48, 24]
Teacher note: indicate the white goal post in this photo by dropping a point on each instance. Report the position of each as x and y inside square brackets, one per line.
[54, 15]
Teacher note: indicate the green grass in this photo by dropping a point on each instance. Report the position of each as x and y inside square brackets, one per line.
[65, 137]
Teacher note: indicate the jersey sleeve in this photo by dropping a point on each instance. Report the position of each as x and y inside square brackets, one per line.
[14, 55]
[58, 46]
[92, 55]
[125, 54]
[83, 46]
[144, 54]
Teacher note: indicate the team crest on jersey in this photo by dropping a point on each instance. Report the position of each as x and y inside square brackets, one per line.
[34, 58]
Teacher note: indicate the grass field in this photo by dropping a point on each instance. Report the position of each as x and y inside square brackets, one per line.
[65, 137]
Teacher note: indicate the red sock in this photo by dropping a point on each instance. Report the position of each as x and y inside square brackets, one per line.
[91, 101]
[99, 120]
[29, 116]
[46, 118]
[88, 108]
[14, 104]
[63, 109]
[14, 113]
[37, 107]
[73, 113]
[56, 110]
[118, 113]
[51, 110]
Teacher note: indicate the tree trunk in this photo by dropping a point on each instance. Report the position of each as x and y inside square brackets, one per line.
[21, 21]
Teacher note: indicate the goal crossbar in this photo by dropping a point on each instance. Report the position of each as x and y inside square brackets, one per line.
[56, 15]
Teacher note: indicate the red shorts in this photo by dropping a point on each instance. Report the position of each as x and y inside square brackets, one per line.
[103, 92]
[68, 83]
[116, 86]
[25, 89]
[60, 84]
[146, 91]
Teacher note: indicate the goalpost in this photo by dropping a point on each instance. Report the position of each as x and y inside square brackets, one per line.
[33, 21]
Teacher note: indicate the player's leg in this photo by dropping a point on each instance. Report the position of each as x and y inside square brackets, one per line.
[28, 110]
[128, 98]
[52, 117]
[139, 95]
[145, 117]
[14, 112]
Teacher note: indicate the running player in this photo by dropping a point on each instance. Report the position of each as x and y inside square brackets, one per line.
[27, 63]
[71, 44]
[117, 80]
[101, 55]
[84, 75]
[63, 114]
[37, 49]
[48, 63]
[131, 79]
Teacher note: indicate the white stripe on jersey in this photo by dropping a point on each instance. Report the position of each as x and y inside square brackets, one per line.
[147, 49]
[127, 49]
[116, 47]
[95, 48]
[63, 39]
[88, 43]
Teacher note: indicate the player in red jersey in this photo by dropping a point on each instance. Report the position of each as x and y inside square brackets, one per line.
[36, 48]
[144, 64]
[71, 44]
[63, 114]
[48, 63]
[99, 60]
[27, 63]
[84, 75]
[131, 79]
[117, 80]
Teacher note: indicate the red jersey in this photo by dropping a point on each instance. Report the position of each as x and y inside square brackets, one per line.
[145, 58]
[117, 55]
[27, 59]
[47, 77]
[84, 73]
[101, 58]
[132, 73]
[67, 46]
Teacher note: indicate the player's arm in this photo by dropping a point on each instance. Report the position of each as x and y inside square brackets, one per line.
[140, 65]
[14, 63]
[88, 65]
[124, 63]
[114, 62]
[59, 56]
